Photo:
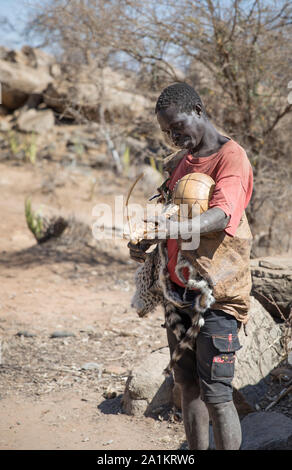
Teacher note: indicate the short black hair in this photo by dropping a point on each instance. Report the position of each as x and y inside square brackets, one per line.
[182, 95]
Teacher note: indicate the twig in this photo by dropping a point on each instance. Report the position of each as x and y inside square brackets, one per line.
[113, 150]
[287, 321]
[262, 353]
[127, 202]
[159, 349]
[282, 394]
[272, 302]
[119, 357]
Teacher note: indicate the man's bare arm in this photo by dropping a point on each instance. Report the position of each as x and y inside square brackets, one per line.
[213, 220]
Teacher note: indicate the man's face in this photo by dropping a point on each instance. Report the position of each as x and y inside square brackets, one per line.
[185, 131]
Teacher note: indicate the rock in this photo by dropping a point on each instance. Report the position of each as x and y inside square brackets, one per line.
[38, 58]
[29, 56]
[108, 442]
[147, 389]
[91, 366]
[272, 279]
[32, 120]
[263, 431]
[110, 393]
[266, 431]
[61, 334]
[3, 111]
[261, 352]
[282, 374]
[118, 98]
[25, 333]
[3, 52]
[19, 81]
[61, 95]
[34, 101]
[83, 92]
[5, 125]
[55, 70]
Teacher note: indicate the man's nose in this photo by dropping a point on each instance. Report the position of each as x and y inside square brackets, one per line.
[174, 134]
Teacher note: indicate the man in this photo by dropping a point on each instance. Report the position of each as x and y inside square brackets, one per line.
[222, 258]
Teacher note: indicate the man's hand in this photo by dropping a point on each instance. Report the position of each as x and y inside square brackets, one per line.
[213, 220]
[165, 228]
[137, 250]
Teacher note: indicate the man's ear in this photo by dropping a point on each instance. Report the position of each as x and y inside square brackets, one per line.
[198, 109]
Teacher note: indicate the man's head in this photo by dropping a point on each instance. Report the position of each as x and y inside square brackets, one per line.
[181, 115]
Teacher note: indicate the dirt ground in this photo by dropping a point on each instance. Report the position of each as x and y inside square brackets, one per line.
[50, 397]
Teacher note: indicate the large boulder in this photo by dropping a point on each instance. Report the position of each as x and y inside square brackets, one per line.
[261, 351]
[266, 431]
[263, 431]
[272, 283]
[30, 56]
[146, 388]
[19, 81]
[32, 120]
[86, 89]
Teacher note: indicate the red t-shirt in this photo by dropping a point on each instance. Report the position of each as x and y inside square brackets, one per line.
[232, 172]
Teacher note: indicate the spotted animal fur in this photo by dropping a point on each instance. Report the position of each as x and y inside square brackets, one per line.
[153, 288]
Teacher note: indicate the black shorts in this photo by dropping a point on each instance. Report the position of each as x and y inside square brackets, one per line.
[211, 364]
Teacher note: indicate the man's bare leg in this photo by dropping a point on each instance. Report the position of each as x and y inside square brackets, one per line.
[195, 417]
[226, 425]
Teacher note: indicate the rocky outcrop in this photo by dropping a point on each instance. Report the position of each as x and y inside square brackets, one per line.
[19, 81]
[29, 56]
[272, 283]
[261, 351]
[87, 90]
[91, 87]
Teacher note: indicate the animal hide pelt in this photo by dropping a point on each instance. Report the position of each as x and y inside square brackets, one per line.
[154, 287]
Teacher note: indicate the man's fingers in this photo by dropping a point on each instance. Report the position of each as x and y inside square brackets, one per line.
[137, 253]
[134, 246]
[135, 250]
[140, 259]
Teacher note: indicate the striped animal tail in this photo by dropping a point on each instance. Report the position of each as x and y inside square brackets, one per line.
[187, 342]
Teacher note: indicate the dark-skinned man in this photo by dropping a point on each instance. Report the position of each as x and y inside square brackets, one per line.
[205, 374]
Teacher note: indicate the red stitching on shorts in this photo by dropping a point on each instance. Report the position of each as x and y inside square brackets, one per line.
[229, 341]
[218, 359]
[223, 359]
